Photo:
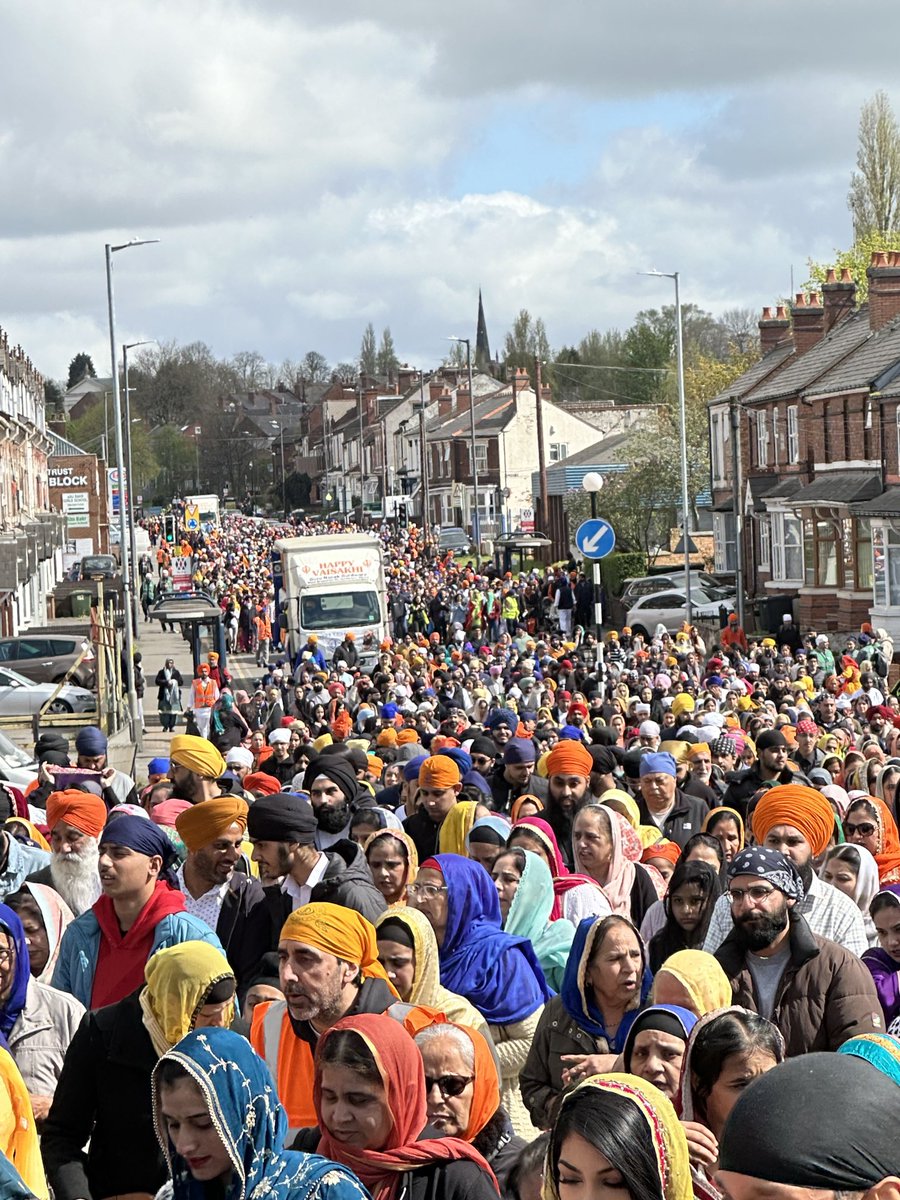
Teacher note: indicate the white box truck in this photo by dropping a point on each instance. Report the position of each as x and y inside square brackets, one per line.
[334, 584]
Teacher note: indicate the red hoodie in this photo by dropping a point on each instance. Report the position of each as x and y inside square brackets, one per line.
[123, 956]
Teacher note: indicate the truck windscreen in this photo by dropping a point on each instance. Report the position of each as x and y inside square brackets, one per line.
[339, 610]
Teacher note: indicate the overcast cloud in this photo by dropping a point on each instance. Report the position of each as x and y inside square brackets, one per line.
[311, 166]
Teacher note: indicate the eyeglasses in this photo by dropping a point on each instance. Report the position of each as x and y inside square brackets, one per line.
[449, 1085]
[864, 829]
[425, 891]
[756, 894]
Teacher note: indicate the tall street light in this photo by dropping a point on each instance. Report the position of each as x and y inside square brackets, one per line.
[129, 475]
[476, 524]
[124, 544]
[679, 359]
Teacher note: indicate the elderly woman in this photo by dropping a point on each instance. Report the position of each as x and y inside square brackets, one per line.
[45, 917]
[655, 1046]
[692, 979]
[608, 850]
[577, 896]
[583, 1029]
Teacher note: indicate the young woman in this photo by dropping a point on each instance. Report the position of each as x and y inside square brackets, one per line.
[883, 960]
[693, 891]
[853, 871]
[393, 863]
[869, 823]
[525, 890]
[726, 826]
[222, 1128]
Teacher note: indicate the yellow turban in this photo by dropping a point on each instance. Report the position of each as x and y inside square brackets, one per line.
[204, 822]
[682, 703]
[677, 748]
[338, 931]
[323, 740]
[197, 755]
[698, 748]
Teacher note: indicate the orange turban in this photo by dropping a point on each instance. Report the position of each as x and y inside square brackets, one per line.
[387, 737]
[204, 822]
[662, 849]
[570, 758]
[439, 772]
[698, 748]
[339, 931]
[405, 736]
[260, 781]
[793, 804]
[341, 726]
[376, 766]
[82, 810]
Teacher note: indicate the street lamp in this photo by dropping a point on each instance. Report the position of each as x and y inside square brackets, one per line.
[682, 416]
[124, 544]
[129, 477]
[592, 484]
[476, 524]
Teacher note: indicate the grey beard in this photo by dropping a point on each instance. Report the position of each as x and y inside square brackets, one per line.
[77, 879]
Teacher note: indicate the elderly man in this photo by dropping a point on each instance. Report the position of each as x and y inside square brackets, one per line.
[516, 776]
[91, 748]
[798, 821]
[283, 831]
[439, 785]
[569, 765]
[194, 768]
[76, 819]
[847, 1149]
[228, 901]
[103, 953]
[816, 992]
[328, 969]
[675, 814]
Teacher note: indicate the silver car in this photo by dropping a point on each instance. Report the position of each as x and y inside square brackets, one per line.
[21, 697]
[670, 609]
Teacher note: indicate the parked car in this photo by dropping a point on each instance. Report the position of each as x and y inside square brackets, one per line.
[21, 697]
[646, 585]
[670, 609]
[16, 765]
[452, 537]
[98, 566]
[47, 658]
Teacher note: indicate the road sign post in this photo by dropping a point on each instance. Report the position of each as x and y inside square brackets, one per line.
[595, 539]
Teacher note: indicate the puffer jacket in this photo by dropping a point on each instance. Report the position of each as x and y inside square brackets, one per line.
[541, 1077]
[347, 881]
[825, 997]
[41, 1035]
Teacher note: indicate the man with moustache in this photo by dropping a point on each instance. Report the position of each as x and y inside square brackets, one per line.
[569, 766]
[75, 818]
[335, 794]
[195, 767]
[817, 993]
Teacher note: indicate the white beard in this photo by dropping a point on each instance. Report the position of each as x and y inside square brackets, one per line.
[76, 877]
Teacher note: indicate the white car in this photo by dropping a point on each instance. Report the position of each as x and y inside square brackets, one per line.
[670, 609]
[21, 697]
[16, 765]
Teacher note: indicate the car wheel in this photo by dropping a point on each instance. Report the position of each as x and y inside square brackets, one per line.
[59, 706]
[638, 631]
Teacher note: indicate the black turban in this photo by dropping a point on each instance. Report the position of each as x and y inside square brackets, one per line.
[604, 760]
[338, 769]
[284, 817]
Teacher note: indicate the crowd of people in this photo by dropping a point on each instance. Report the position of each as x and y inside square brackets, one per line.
[505, 916]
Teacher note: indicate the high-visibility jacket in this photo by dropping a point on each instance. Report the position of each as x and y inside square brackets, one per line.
[289, 1059]
[204, 693]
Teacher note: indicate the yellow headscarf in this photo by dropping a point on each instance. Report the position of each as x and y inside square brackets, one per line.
[33, 832]
[455, 829]
[18, 1129]
[701, 977]
[339, 931]
[179, 979]
[666, 1133]
[621, 802]
[732, 812]
[412, 858]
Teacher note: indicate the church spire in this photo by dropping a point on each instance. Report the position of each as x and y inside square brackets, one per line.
[482, 346]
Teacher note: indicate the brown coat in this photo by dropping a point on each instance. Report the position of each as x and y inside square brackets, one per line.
[825, 996]
[541, 1078]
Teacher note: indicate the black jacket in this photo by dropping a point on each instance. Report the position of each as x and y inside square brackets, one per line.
[244, 928]
[503, 793]
[347, 881]
[103, 1095]
[683, 821]
[423, 832]
[744, 785]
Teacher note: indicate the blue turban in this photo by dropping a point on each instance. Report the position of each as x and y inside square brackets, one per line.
[91, 741]
[140, 835]
[389, 710]
[158, 766]
[411, 770]
[502, 716]
[571, 733]
[459, 756]
[658, 763]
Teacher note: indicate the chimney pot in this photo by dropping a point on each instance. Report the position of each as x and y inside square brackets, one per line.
[781, 313]
[814, 299]
[800, 301]
[767, 314]
[831, 277]
[846, 275]
[879, 258]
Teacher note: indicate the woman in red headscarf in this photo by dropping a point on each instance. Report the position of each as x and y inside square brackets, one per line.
[869, 823]
[370, 1100]
[576, 896]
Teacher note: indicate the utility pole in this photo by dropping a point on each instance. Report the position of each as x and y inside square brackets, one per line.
[362, 507]
[423, 454]
[542, 466]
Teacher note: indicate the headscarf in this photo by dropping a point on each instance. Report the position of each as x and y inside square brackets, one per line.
[196, 754]
[455, 827]
[400, 1066]
[517, 806]
[736, 817]
[666, 1133]
[564, 880]
[665, 1018]
[621, 872]
[866, 877]
[529, 917]
[82, 810]
[341, 932]
[15, 1002]
[493, 831]
[167, 813]
[499, 974]
[204, 822]
[626, 805]
[18, 1130]
[670, 851]
[243, 1104]
[485, 1085]
[887, 845]
[576, 993]
[845, 1146]
[12, 1186]
[57, 917]
[803, 807]
[412, 858]
[882, 1050]
[702, 978]
[180, 979]
[33, 832]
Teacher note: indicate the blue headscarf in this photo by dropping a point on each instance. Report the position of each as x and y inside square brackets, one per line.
[12, 1186]
[666, 1018]
[9, 1013]
[882, 1050]
[497, 973]
[576, 994]
[238, 1091]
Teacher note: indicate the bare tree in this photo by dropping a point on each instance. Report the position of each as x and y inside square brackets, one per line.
[874, 196]
[741, 328]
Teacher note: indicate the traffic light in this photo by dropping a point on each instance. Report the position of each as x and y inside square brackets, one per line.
[401, 514]
[169, 529]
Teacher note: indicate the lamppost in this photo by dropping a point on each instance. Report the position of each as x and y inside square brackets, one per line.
[124, 543]
[476, 524]
[129, 474]
[593, 485]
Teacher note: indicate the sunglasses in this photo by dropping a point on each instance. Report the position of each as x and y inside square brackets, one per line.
[865, 829]
[448, 1085]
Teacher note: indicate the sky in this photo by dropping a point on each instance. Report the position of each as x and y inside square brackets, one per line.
[309, 167]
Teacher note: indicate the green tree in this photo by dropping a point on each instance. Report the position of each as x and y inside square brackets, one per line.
[386, 359]
[176, 457]
[53, 399]
[368, 352]
[874, 196]
[297, 489]
[856, 260]
[81, 367]
[526, 340]
[89, 429]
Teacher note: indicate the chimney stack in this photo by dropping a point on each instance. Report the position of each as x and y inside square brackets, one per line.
[808, 317]
[840, 296]
[773, 330]
[884, 288]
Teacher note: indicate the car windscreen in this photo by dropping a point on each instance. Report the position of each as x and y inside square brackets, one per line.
[100, 562]
[339, 610]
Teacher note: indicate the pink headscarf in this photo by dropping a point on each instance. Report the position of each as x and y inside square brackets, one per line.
[626, 851]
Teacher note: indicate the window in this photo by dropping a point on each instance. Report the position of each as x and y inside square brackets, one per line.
[718, 437]
[793, 435]
[787, 548]
[765, 544]
[897, 418]
[774, 437]
[863, 554]
[886, 565]
[762, 439]
[558, 451]
[828, 550]
[481, 456]
[723, 531]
